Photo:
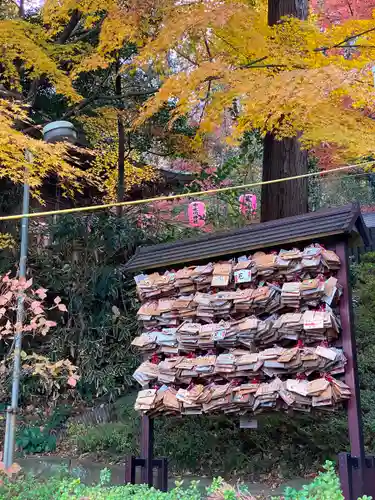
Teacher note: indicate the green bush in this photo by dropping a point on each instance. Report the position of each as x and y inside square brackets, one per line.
[36, 440]
[326, 486]
[36, 434]
[364, 299]
[111, 438]
[66, 488]
[216, 445]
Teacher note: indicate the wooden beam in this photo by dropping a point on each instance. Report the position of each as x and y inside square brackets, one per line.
[355, 424]
[147, 449]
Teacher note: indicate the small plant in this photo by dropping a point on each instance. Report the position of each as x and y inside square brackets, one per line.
[65, 488]
[36, 440]
[50, 376]
[326, 486]
[114, 437]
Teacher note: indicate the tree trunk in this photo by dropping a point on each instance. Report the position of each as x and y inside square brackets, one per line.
[284, 158]
[279, 8]
[121, 146]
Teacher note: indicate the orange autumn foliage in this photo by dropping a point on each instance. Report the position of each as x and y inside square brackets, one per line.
[210, 54]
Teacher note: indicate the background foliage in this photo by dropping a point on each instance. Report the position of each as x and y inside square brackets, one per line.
[282, 445]
[82, 260]
[326, 486]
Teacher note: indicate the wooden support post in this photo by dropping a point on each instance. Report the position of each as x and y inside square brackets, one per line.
[130, 470]
[164, 475]
[147, 449]
[351, 373]
[369, 476]
[345, 471]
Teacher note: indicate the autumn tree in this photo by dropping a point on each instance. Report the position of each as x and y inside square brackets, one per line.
[336, 11]
[289, 79]
[41, 80]
[284, 158]
[205, 59]
[26, 56]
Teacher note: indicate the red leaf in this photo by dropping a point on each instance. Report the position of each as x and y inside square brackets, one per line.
[4, 299]
[57, 300]
[35, 304]
[62, 307]
[41, 292]
[72, 381]
[28, 283]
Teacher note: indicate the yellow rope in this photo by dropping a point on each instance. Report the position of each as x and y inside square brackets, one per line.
[179, 196]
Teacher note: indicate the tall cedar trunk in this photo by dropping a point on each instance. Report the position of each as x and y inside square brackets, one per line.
[284, 158]
[121, 145]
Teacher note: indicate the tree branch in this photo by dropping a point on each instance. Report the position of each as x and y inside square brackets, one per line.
[86, 34]
[340, 44]
[350, 7]
[207, 48]
[188, 58]
[206, 101]
[250, 64]
[228, 43]
[97, 97]
[69, 28]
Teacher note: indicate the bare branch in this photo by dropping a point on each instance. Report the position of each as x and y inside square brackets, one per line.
[206, 101]
[341, 44]
[350, 7]
[207, 48]
[70, 27]
[250, 64]
[185, 56]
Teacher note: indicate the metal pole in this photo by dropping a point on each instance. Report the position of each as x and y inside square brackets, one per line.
[13, 409]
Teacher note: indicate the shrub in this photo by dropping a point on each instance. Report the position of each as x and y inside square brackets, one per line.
[326, 486]
[65, 488]
[112, 438]
[216, 445]
[36, 440]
